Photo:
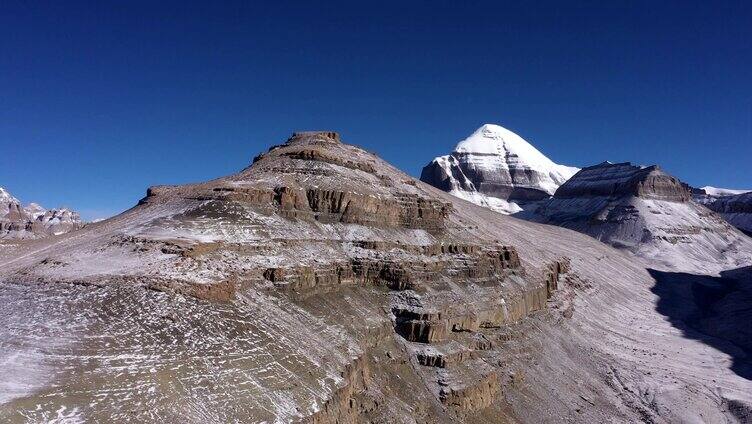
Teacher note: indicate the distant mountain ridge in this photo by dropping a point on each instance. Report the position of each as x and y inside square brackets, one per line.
[735, 206]
[636, 208]
[496, 168]
[33, 221]
[619, 179]
[648, 212]
[718, 192]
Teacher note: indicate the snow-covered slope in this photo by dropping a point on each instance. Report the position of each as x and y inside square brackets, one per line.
[707, 195]
[648, 212]
[8, 203]
[736, 209]
[33, 221]
[718, 192]
[322, 285]
[496, 168]
[735, 206]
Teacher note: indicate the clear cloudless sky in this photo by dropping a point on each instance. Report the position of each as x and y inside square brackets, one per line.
[99, 100]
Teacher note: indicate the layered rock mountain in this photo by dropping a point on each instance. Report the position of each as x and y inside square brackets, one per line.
[648, 212]
[496, 168]
[33, 221]
[735, 208]
[323, 285]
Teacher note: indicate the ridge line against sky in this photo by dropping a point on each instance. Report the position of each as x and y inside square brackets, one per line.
[101, 100]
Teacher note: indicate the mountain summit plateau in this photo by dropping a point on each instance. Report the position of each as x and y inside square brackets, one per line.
[33, 221]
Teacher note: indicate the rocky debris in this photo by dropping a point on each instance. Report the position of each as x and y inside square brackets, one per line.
[495, 167]
[646, 211]
[33, 221]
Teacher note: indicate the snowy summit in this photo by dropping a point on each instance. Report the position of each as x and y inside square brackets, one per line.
[33, 221]
[719, 192]
[497, 168]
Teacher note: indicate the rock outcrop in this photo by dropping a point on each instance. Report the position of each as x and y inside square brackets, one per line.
[710, 192]
[646, 211]
[495, 167]
[624, 180]
[33, 221]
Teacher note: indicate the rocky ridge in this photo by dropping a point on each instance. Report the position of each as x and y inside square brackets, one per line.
[323, 285]
[624, 179]
[648, 212]
[33, 221]
[735, 208]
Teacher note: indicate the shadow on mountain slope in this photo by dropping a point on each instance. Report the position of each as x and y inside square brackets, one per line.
[714, 310]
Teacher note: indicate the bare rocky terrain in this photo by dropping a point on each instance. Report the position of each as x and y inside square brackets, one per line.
[323, 285]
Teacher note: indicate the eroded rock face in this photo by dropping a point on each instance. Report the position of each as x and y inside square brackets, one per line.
[624, 179]
[322, 285]
[314, 221]
[33, 221]
[495, 167]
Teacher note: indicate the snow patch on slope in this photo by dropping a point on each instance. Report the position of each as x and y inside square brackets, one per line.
[465, 189]
[494, 203]
[718, 192]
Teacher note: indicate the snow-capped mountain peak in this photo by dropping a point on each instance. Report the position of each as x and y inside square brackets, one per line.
[6, 197]
[648, 212]
[33, 220]
[7, 202]
[735, 206]
[496, 140]
[497, 168]
[718, 192]
[35, 210]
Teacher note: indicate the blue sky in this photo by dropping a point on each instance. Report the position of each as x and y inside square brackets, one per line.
[100, 100]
